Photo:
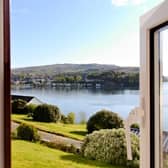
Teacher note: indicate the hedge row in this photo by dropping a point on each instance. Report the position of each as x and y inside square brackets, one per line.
[43, 112]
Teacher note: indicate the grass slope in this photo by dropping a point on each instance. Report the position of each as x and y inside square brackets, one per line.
[31, 155]
[76, 131]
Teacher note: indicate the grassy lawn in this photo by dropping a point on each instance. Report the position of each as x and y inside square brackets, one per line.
[76, 131]
[31, 155]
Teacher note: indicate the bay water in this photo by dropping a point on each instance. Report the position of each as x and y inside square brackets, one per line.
[86, 102]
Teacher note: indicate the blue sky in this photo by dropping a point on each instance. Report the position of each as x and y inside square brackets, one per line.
[76, 31]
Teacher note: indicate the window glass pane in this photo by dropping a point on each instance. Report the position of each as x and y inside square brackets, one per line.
[164, 96]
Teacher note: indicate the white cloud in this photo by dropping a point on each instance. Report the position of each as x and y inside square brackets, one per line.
[127, 2]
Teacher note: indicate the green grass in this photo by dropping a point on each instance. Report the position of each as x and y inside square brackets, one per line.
[32, 155]
[76, 131]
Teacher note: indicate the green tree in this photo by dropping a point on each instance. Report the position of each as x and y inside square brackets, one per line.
[60, 78]
[71, 118]
[77, 78]
[70, 79]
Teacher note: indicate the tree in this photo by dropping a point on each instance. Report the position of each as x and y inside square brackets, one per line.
[60, 78]
[71, 118]
[77, 78]
[69, 79]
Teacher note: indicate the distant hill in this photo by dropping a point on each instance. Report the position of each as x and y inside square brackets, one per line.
[72, 68]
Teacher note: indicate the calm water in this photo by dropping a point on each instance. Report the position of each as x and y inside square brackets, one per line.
[85, 102]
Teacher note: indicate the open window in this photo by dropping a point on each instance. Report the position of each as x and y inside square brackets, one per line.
[153, 87]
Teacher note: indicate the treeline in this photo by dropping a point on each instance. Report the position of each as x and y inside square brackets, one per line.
[64, 78]
[119, 79]
[108, 79]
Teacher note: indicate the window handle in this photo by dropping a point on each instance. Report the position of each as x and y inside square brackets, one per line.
[135, 116]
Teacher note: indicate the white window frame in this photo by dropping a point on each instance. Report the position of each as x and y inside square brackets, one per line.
[150, 144]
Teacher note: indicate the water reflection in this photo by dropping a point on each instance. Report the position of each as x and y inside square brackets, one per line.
[86, 101]
[164, 95]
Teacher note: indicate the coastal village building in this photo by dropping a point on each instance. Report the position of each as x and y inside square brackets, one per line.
[28, 99]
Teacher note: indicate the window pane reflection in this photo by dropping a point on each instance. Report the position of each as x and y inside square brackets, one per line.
[164, 96]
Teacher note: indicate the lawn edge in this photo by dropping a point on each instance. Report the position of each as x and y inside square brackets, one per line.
[51, 132]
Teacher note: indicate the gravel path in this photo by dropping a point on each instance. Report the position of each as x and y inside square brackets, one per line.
[49, 137]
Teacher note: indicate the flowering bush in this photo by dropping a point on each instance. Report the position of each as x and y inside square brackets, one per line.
[110, 146]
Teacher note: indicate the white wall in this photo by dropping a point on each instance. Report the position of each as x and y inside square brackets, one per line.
[35, 101]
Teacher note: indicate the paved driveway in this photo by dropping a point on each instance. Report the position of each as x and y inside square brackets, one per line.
[49, 137]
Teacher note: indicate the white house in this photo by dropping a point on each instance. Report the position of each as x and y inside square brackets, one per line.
[28, 99]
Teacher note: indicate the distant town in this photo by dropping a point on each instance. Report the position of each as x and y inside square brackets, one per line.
[77, 76]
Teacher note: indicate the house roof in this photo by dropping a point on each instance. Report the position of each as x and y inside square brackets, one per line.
[25, 98]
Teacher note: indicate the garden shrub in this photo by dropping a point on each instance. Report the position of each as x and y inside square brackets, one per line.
[18, 106]
[69, 119]
[62, 146]
[29, 109]
[64, 119]
[104, 119]
[27, 132]
[46, 113]
[135, 126]
[109, 146]
[14, 135]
